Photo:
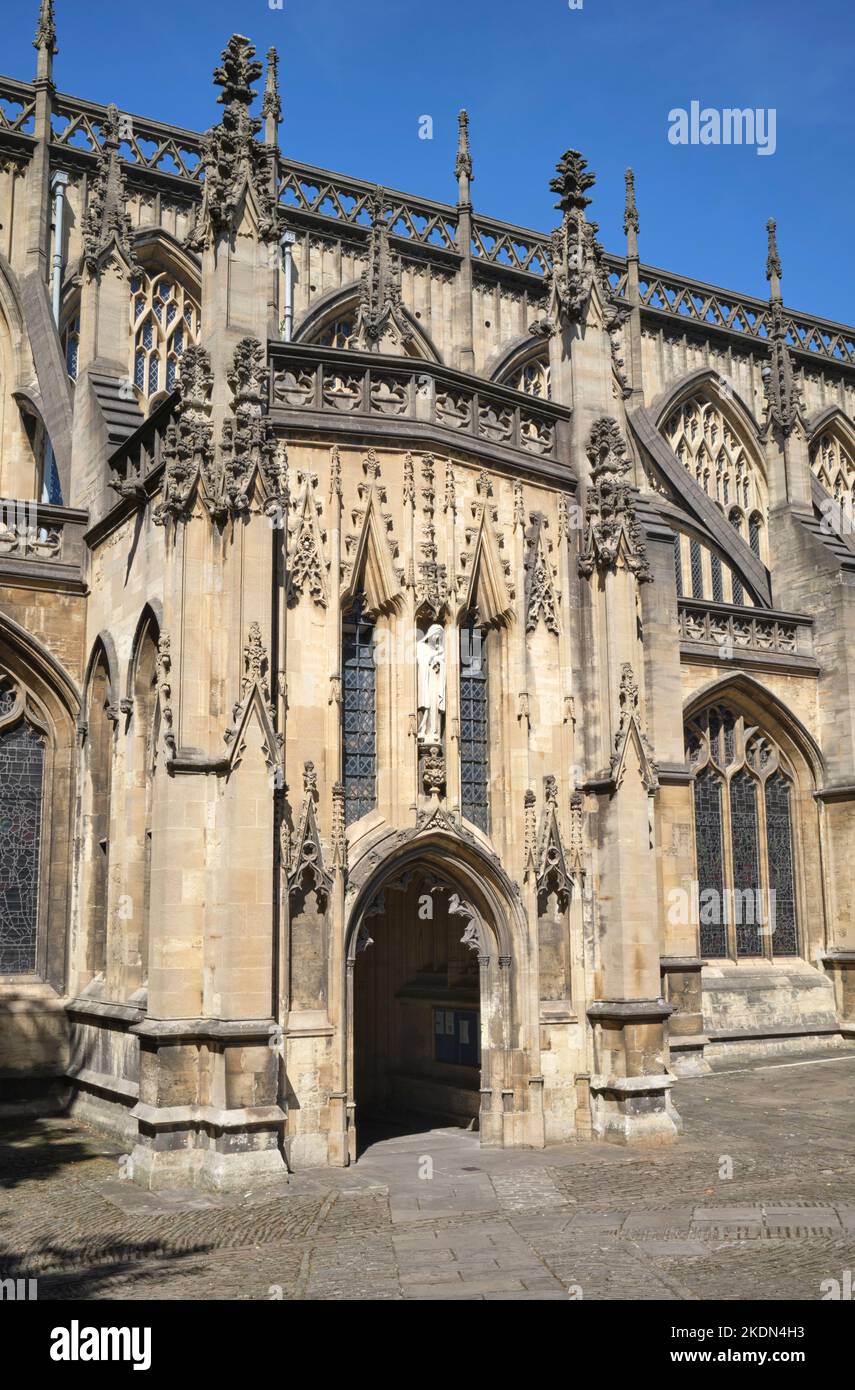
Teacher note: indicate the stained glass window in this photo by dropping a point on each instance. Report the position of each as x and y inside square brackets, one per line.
[474, 725]
[779, 837]
[22, 762]
[747, 889]
[745, 829]
[678, 566]
[164, 317]
[713, 929]
[754, 534]
[359, 713]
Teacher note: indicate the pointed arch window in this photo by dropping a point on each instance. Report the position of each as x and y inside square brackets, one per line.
[22, 777]
[165, 319]
[474, 724]
[703, 439]
[833, 463]
[359, 711]
[744, 837]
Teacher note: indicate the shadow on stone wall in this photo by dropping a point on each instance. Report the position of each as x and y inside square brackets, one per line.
[34, 1049]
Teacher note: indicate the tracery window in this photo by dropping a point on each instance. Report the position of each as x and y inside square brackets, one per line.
[533, 379]
[359, 712]
[744, 834]
[474, 724]
[338, 333]
[165, 319]
[703, 440]
[833, 463]
[22, 777]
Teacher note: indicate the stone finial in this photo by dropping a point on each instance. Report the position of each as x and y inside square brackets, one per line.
[630, 212]
[463, 163]
[238, 71]
[106, 218]
[45, 40]
[232, 157]
[380, 299]
[774, 272]
[780, 382]
[572, 181]
[271, 106]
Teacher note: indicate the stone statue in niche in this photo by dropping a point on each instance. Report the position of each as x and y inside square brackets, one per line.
[430, 661]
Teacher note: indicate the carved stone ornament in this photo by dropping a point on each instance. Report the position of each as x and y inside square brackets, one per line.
[106, 223]
[541, 599]
[249, 449]
[630, 726]
[306, 868]
[188, 447]
[613, 535]
[576, 258]
[235, 164]
[380, 301]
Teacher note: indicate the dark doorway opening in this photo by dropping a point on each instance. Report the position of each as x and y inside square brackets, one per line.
[417, 1012]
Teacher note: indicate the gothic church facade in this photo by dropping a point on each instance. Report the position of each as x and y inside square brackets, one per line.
[427, 652]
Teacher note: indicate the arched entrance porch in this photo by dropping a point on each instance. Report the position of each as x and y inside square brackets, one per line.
[434, 1014]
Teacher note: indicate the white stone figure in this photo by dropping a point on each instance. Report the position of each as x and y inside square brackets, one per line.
[430, 660]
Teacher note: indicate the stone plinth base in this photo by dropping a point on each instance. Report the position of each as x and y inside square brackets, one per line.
[754, 1007]
[197, 1146]
[630, 1098]
[208, 1113]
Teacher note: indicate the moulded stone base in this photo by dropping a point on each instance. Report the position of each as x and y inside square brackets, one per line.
[687, 1058]
[626, 1110]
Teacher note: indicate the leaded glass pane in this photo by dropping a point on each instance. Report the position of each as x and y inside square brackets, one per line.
[738, 593]
[474, 764]
[697, 570]
[747, 898]
[21, 782]
[678, 566]
[717, 587]
[779, 841]
[713, 929]
[359, 715]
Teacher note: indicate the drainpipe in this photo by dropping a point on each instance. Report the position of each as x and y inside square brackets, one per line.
[58, 183]
[287, 241]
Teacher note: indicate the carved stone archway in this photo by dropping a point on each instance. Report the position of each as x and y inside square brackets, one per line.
[479, 911]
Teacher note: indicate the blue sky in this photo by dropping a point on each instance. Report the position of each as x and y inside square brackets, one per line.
[537, 78]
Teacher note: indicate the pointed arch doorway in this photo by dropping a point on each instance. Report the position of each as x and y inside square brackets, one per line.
[429, 1006]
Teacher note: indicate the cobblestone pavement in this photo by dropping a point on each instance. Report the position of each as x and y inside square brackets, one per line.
[756, 1200]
